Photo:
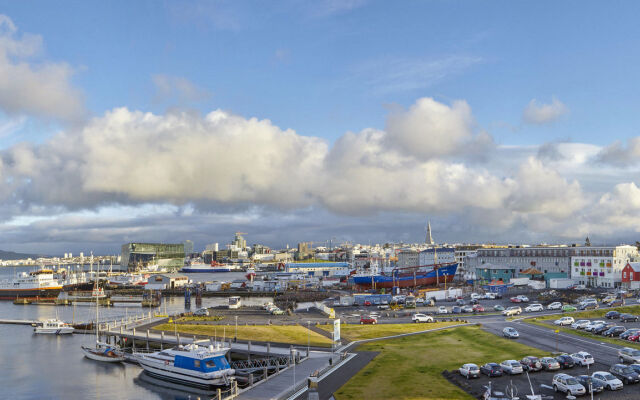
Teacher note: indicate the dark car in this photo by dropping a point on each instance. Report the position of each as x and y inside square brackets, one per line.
[625, 373]
[616, 303]
[565, 361]
[635, 367]
[628, 317]
[473, 301]
[614, 331]
[590, 384]
[612, 315]
[531, 364]
[602, 328]
[460, 302]
[629, 332]
[589, 306]
[491, 369]
[456, 310]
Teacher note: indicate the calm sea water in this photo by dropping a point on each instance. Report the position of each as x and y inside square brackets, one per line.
[53, 367]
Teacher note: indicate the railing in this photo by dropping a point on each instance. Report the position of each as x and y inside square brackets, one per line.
[261, 363]
[319, 374]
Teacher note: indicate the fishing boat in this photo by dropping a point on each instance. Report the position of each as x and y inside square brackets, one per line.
[408, 277]
[40, 283]
[101, 351]
[54, 327]
[194, 365]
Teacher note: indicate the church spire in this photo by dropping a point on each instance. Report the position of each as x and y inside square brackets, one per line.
[429, 239]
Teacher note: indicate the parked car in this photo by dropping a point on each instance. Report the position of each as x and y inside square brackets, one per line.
[510, 333]
[498, 307]
[600, 329]
[277, 311]
[511, 367]
[421, 318]
[442, 310]
[565, 361]
[589, 306]
[582, 358]
[467, 309]
[476, 296]
[478, 308]
[628, 318]
[564, 321]
[201, 312]
[523, 299]
[616, 303]
[474, 301]
[580, 324]
[556, 305]
[634, 337]
[512, 311]
[491, 369]
[567, 384]
[456, 310]
[534, 307]
[460, 302]
[568, 308]
[635, 367]
[470, 371]
[549, 363]
[489, 296]
[629, 355]
[531, 364]
[368, 319]
[629, 332]
[607, 380]
[614, 331]
[612, 315]
[626, 374]
[515, 300]
[589, 384]
[592, 325]
[580, 287]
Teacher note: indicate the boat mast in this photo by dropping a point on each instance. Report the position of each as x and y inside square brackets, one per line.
[95, 291]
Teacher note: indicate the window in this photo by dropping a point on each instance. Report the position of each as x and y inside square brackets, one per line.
[196, 363]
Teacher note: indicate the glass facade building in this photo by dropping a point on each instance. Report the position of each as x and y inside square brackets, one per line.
[137, 256]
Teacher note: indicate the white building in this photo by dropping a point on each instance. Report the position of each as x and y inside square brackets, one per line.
[408, 258]
[442, 255]
[600, 266]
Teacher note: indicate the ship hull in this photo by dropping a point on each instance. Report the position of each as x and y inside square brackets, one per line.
[210, 269]
[422, 278]
[12, 294]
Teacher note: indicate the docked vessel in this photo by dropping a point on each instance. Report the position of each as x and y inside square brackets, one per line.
[54, 327]
[40, 283]
[196, 265]
[127, 280]
[204, 367]
[408, 277]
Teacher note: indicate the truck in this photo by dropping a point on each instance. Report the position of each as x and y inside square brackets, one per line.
[560, 283]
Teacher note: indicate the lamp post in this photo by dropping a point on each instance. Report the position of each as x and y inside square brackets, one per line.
[236, 337]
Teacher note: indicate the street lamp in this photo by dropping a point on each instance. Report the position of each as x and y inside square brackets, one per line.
[236, 337]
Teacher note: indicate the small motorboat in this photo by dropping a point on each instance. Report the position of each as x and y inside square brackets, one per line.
[54, 327]
[103, 352]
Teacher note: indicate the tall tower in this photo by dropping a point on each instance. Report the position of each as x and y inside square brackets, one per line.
[429, 240]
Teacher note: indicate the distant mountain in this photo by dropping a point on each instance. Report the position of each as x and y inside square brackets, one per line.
[12, 255]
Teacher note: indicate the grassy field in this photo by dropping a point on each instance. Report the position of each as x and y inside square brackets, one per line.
[199, 318]
[359, 332]
[293, 334]
[411, 367]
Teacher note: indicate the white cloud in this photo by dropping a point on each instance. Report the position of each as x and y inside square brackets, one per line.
[178, 88]
[40, 89]
[542, 113]
[619, 155]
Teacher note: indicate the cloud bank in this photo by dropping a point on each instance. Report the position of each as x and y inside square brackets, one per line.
[542, 113]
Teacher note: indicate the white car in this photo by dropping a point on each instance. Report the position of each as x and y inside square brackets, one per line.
[475, 296]
[564, 321]
[606, 379]
[421, 318]
[581, 324]
[492, 296]
[580, 287]
[470, 371]
[534, 307]
[582, 358]
[567, 384]
[511, 367]
[512, 311]
[592, 325]
[522, 298]
[443, 310]
[556, 305]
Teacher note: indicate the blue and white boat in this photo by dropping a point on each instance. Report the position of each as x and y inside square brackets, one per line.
[194, 365]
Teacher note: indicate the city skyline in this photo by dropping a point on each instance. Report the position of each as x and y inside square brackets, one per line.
[294, 121]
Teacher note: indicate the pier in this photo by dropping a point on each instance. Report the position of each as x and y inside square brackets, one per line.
[18, 322]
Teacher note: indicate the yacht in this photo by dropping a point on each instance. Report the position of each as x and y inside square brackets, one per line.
[195, 365]
[54, 327]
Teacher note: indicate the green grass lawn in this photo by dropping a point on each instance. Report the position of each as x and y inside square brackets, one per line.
[411, 367]
[293, 334]
[199, 318]
[359, 332]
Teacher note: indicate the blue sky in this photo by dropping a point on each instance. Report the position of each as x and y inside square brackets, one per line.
[325, 68]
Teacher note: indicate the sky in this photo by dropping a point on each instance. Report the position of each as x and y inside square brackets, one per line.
[341, 120]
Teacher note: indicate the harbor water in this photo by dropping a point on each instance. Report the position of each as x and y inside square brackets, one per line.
[53, 367]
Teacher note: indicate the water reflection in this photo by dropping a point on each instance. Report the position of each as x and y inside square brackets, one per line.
[168, 390]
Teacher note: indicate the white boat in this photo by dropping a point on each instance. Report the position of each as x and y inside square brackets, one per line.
[194, 365]
[101, 351]
[54, 327]
[127, 280]
[40, 283]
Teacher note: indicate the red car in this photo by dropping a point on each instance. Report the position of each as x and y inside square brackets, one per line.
[634, 337]
[515, 300]
[368, 319]
[478, 308]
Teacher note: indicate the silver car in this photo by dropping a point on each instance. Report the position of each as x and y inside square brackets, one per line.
[511, 367]
[470, 371]
[607, 380]
[567, 384]
[629, 355]
[549, 363]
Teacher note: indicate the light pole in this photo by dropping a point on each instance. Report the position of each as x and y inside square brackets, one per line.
[236, 337]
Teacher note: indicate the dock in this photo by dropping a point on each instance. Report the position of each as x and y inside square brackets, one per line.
[18, 322]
